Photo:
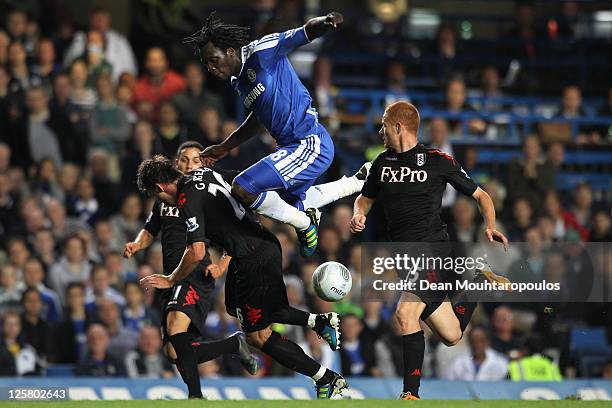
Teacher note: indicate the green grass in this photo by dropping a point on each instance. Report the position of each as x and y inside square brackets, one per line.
[303, 404]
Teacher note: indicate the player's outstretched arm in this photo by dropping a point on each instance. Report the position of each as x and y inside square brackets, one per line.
[249, 128]
[142, 241]
[319, 26]
[487, 209]
[192, 256]
[219, 268]
[361, 208]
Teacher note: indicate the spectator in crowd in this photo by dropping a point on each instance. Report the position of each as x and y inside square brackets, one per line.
[195, 97]
[341, 220]
[170, 132]
[140, 148]
[82, 98]
[446, 52]
[605, 132]
[456, 105]
[209, 126]
[110, 128]
[522, 220]
[118, 268]
[33, 275]
[582, 209]
[44, 182]
[127, 223]
[36, 330]
[490, 90]
[555, 154]
[118, 51]
[159, 83]
[147, 361]
[74, 324]
[4, 43]
[121, 339]
[72, 266]
[571, 103]
[99, 289]
[97, 65]
[18, 252]
[17, 29]
[22, 358]
[329, 243]
[60, 224]
[601, 230]
[46, 66]
[98, 361]
[22, 77]
[532, 365]
[124, 95]
[503, 338]
[41, 134]
[530, 176]
[530, 266]
[85, 206]
[44, 247]
[464, 227]
[8, 207]
[524, 33]
[563, 220]
[10, 294]
[107, 191]
[136, 314]
[105, 240]
[482, 363]
[5, 154]
[324, 90]
[396, 83]
[439, 138]
[356, 355]
[606, 371]
[60, 100]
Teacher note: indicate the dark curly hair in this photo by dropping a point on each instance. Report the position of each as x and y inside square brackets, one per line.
[156, 170]
[222, 35]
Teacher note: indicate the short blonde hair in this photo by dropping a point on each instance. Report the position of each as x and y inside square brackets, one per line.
[404, 113]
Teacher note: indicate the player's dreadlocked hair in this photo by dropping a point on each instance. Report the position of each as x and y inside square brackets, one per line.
[220, 34]
[157, 169]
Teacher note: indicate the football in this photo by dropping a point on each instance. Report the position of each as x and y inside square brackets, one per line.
[332, 281]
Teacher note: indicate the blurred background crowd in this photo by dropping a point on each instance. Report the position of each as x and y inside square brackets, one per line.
[519, 92]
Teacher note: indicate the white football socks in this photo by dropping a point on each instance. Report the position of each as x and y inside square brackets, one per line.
[271, 205]
[323, 194]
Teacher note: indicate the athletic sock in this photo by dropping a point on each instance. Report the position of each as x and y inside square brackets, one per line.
[323, 194]
[209, 350]
[323, 376]
[186, 362]
[290, 355]
[271, 205]
[291, 315]
[414, 351]
[464, 311]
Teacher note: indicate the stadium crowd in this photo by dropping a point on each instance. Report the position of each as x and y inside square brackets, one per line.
[78, 113]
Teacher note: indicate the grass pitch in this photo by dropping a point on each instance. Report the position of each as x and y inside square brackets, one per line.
[303, 404]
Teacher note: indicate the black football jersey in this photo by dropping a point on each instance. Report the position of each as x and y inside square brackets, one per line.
[212, 214]
[409, 186]
[166, 219]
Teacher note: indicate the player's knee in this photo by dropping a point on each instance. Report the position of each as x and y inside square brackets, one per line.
[171, 353]
[175, 323]
[452, 337]
[407, 316]
[244, 196]
[258, 338]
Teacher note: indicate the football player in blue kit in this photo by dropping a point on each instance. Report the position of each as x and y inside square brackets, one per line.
[275, 186]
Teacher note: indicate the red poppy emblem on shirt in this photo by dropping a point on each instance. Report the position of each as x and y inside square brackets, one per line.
[182, 199]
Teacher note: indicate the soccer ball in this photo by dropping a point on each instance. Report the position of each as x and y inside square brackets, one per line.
[332, 281]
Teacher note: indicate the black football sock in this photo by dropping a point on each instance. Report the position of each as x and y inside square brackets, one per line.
[464, 311]
[186, 362]
[291, 315]
[414, 351]
[290, 355]
[209, 350]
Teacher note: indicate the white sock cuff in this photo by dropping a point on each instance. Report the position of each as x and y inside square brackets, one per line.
[319, 374]
[312, 319]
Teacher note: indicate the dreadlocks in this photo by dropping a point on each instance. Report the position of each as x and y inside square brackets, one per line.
[220, 34]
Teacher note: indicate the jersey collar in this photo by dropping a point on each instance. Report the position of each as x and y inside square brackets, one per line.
[409, 153]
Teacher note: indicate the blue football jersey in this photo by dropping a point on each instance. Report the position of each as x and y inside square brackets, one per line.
[269, 86]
